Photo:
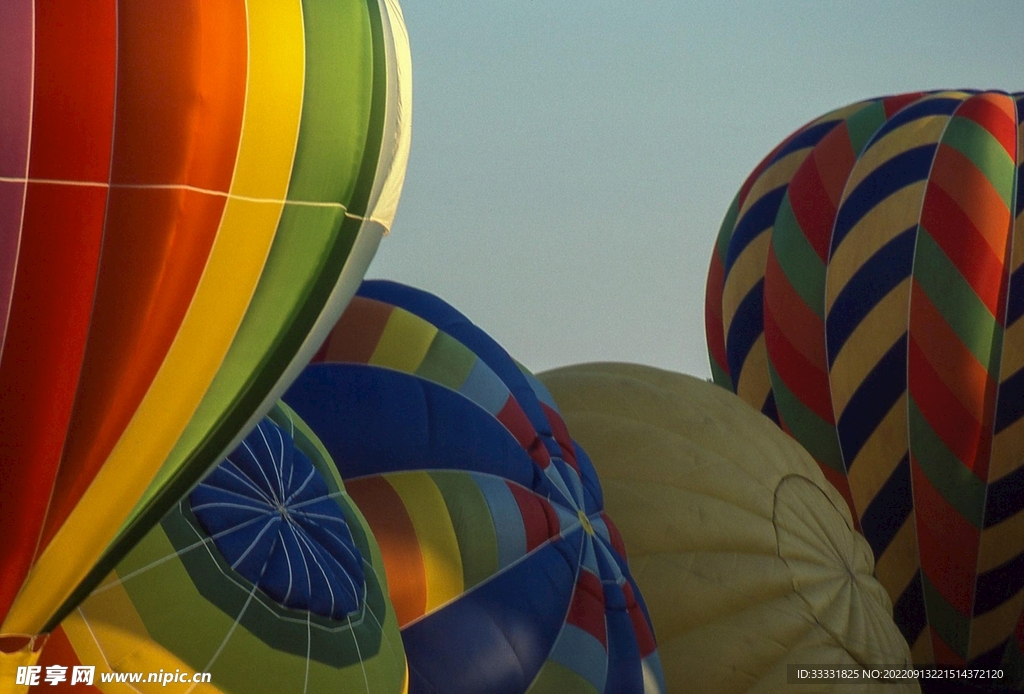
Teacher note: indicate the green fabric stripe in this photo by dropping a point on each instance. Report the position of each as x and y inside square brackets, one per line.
[336, 101]
[1013, 665]
[719, 375]
[952, 627]
[474, 527]
[863, 124]
[725, 231]
[555, 678]
[957, 302]
[814, 433]
[447, 362]
[982, 148]
[798, 259]
[954, 481]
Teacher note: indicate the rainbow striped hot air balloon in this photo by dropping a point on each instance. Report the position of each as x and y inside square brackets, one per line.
[190, 192]
[866, 292]
[505, 572]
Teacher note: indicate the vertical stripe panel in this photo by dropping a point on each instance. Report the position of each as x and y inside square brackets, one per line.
[269, 130]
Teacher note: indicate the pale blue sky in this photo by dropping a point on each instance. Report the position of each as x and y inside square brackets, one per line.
[571, 161]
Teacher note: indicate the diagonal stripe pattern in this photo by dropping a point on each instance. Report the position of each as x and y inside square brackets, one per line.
[890, 309]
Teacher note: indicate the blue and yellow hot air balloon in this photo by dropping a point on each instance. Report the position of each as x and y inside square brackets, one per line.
[505, 572]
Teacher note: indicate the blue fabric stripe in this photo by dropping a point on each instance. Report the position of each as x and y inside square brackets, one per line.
[808, 137]
[496, 637]
[747, 325]
[583, 654]
[593, 495]
[889, 509]
[1015, 300]
[872, 400]
[995, 587]
[1010, 405]
[942, 106]
[903, 169]
[483, 387]
[759, 217]
[908, 610]
[769, 409]
[374, 421]
[508, 520]
[889, 266]
[625, 673]
[1004, 498]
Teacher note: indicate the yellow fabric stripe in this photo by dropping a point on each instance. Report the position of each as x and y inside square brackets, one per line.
[879, 456]
[899, 562]
[755, 380]
[1013, 348]
[870, 340]
[404, 343]
[879, 226]
[779, 173]
[1001, 543]
[992, 628]
[921, 651]
[1007, 451]
[746, 272]
[442, 560]
[269, 131]
[921, 131]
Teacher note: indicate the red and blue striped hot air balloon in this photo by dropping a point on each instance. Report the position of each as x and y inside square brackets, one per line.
[866, 292]
[504, 570]
[190, 192]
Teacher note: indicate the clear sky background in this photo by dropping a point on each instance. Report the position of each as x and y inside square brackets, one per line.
[572, 161]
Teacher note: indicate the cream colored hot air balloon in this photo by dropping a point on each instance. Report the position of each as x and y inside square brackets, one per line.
[745, 554]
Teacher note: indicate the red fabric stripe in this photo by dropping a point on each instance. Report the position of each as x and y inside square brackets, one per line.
[795, 341]
[946, 222]
[616, 537]
[515, 420]
[947, 417]
[995, 113]
[894, 104]
[539, 519]
[947, 543]
[73, 104]
[561, 433]
[811, 203]
[357, 333]
[714, 330]
[49, 320]
[181, 92]
[834, 159]
[587, 608]
[842, 484]
[954, 395]
[399, 546]
[644, 634]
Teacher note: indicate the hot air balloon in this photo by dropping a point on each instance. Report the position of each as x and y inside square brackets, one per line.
[264, 578]
[190, 192]
[866, 293]
[746, 555]
[506, 574]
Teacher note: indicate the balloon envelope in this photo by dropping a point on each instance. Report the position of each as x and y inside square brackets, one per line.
[265, 576]
[189, 194]
[745, 554]
[866, 293]
[506, 573]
